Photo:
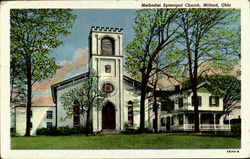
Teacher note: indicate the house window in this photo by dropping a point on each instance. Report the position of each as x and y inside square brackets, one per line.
[167, 105]
[199, 101]
[164, 106]
[49, 125]
[163, 121]
[49, 115]
[107, 46]
[180, 102]
[31, 125]
[31, 114]
[107, 68]
[172, 120]
[130, 114]
[214, 101]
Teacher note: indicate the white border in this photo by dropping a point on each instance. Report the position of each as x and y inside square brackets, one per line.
[6, 152]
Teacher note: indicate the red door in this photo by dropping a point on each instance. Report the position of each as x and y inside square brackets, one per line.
[108, 116]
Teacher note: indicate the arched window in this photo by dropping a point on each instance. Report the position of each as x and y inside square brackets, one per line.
[130, 113]
[107, 46]
[76, 115]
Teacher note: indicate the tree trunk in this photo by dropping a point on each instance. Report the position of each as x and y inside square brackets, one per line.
[142, 103]
[88, 123]
[29, 94]
[196, 106]
[155, 106]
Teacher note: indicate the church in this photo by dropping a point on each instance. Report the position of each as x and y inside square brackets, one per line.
[106, 59]
[123, 104]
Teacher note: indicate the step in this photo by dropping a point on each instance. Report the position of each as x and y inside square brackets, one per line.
[110, 131]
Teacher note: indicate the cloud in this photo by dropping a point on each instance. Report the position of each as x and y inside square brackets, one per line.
[41, 90]
[80, 59]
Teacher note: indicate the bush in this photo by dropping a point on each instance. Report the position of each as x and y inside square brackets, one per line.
[130, 129]
[13, 132]
[149, 128]
[236, 129]
[64, 131]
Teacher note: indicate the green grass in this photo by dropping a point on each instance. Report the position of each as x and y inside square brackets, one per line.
[120, 141]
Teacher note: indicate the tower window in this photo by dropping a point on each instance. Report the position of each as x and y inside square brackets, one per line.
[107, 68]
[107, 46]
[107, 88]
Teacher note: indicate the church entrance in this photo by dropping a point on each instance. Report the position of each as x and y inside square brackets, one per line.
[108, 116]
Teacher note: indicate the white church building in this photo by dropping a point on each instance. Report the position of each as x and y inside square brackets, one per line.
[122, 106]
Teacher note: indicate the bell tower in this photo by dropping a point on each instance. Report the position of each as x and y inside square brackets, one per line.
[106, 55]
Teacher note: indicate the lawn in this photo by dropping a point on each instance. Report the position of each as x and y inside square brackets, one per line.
[120, 141]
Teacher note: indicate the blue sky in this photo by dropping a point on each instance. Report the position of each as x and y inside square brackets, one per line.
[89, 17]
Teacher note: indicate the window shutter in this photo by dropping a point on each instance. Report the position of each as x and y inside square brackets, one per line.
[199, 100]
[217, 101]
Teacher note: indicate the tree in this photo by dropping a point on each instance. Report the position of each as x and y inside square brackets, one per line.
[155, 29]
[227, 86]
[206, 42]
[88, 95]
[34, 34]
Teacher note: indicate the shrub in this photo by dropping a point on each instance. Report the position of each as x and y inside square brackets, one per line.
[42, 131]
[64, 130]
[149, 128]
[130, 129]
[236, 129]
[13, 132]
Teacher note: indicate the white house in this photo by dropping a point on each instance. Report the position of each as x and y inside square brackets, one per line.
[179, 115]
[41, 117]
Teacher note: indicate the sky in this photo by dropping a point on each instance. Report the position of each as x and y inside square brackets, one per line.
[72, 55]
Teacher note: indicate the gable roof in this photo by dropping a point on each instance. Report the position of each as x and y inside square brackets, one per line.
[200, 85]
[79, 78]
[72, 80]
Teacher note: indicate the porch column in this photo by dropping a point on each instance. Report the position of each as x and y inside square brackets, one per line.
[165, 122]
[199, 120]
[214, 121]
[184, 122]
[170, 123]
[98, 129]
[229, 122]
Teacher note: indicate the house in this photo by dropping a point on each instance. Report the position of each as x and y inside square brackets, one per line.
[40, 117]
[177, 111]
